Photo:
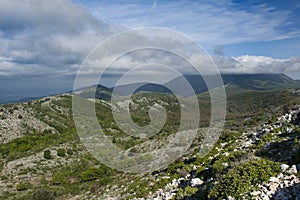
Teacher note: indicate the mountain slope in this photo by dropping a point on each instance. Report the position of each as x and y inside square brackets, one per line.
[261, 82]
[244, 81]
[96, 91]
[41, 153]
[140, 87]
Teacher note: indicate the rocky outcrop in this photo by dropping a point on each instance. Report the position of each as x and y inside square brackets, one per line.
[285, 186]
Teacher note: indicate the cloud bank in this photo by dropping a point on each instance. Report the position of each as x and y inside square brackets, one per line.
[46, 37]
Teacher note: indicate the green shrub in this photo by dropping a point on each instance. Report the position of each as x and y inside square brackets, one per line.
[70, 152]
[43, 194]
[3, 177]
[188, 191]
[61, 152]
[92, 174]
[28, 144]
[43, 181]
[58, 178]
[265, 138]
[240, 179]
[23, 186]
[47, 154]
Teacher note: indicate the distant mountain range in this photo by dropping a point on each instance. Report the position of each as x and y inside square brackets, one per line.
[257, 82]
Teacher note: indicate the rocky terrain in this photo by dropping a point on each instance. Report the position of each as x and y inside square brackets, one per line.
[284, 186]
[256, 157]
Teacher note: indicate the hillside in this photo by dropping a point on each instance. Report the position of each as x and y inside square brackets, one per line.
[259, 82]
[42, 156]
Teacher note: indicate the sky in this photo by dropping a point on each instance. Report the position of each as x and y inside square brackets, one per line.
[43, 43]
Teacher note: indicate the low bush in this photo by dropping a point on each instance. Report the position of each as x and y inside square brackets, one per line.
[61, 152]
[23, 186]
[93, 174]
[58, 178]
[43, 194]
[240, 179]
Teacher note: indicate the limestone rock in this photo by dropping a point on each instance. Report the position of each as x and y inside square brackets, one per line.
[196, 182]
[284, 167]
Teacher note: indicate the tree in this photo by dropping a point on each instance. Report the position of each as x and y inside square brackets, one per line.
[47, 154]
[61, 152]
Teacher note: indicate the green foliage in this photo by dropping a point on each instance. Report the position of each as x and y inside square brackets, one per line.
[70, 152]
[43, 194]
[58, 178]
[140, 188]
[265, 138]
[94, 173]
[188, 191]
[219, 166]
[23, 186]
[3, 177]
[228, 136]
[26, 145]
[160, 184]
[61, 152]
[43, 181]
[178, 168]
[240, 179]
[47, 154]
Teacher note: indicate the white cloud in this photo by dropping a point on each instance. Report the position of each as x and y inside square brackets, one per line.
[257, 64]
[53, 36]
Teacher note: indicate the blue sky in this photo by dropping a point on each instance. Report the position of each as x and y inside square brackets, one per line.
[266, 28]
[43, 43]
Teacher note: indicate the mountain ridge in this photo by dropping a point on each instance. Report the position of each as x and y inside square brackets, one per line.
[259, 82]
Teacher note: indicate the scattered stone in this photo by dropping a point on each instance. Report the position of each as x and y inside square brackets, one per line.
[226, 154]
[225, 164]
[255, 193]
[273, 187]
[196, 182]
[284, 167]
[280, 176]
[293, 170]
[274, 179]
